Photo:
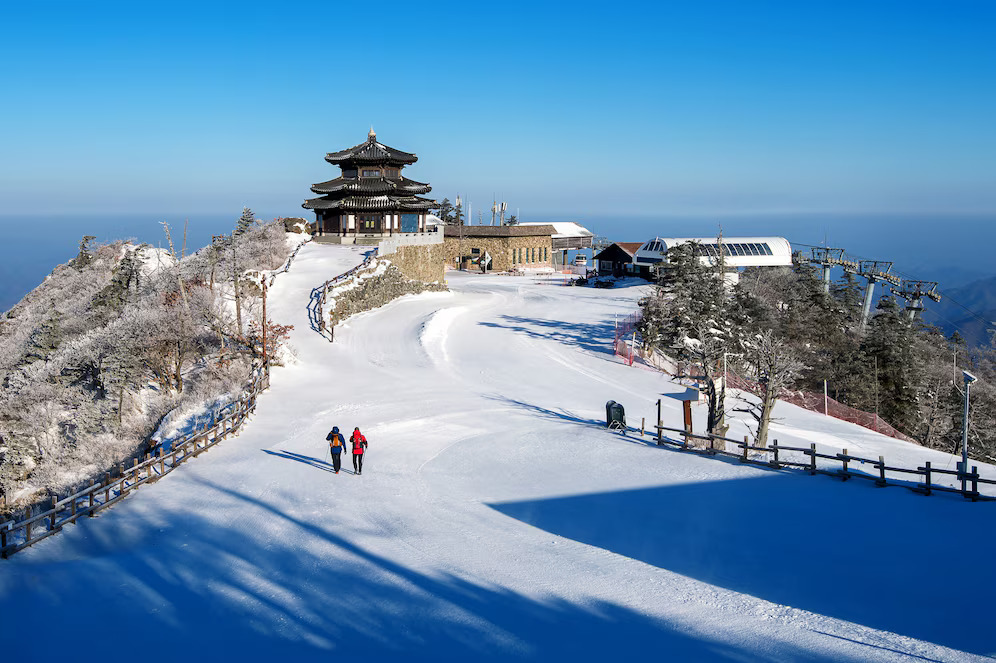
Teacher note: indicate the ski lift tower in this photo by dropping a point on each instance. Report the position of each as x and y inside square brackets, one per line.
[914, 292]
[827, 258]
[874, 271]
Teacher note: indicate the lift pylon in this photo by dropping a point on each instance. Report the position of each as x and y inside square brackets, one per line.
[914, 292]
[826, 258]
[873, 271]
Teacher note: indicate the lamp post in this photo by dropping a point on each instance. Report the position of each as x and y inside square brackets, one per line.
[969, 379]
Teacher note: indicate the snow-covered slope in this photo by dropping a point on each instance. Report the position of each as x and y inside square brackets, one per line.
[496, 518]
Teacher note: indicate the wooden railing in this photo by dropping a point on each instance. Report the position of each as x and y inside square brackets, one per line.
[322, 291]
[16, 535]
[774, 456]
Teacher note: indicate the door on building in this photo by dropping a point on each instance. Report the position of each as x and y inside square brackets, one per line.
[409, 223]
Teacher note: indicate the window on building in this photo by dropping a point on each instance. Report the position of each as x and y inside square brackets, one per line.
[534, 254]
[391, 172]
[475, 252]
[371, 173]
[766, 249]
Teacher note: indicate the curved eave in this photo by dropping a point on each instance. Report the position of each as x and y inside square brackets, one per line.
[371, 185]
[371, 204]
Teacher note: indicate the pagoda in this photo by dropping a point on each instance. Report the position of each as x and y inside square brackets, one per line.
[371, 198]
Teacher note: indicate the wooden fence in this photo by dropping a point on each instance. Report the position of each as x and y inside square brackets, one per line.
[338, 280]
[16, 535]
[776, 456]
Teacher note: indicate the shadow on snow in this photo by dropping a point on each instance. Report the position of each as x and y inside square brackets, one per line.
[216, 591]
[592, 336]
[878, 558]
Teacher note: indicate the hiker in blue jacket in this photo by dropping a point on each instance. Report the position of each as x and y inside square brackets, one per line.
[337, 443]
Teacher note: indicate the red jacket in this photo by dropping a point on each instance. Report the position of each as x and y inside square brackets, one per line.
[359, 442]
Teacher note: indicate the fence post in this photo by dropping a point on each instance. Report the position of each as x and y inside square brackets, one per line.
[52, 520]
[843, 460]
[643, 426]
[107, 487]
[812, 459]
[881, 472]
[90, 513]
[746, 444]
[927, 472]
[3, 540]
[975, 483]
[774, 447]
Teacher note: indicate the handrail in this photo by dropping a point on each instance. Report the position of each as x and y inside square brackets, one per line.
[116, 484]
[336, 280]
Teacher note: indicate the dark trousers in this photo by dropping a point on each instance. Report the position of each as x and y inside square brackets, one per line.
[336, 461]
[357, 463]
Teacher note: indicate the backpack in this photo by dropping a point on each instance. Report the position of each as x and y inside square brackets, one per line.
[336, 439]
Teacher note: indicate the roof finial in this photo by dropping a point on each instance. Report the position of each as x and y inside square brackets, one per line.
[372, 136]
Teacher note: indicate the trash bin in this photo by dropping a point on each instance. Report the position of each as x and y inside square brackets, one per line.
[615, 415]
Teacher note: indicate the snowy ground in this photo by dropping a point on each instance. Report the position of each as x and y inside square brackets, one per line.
[497, 518]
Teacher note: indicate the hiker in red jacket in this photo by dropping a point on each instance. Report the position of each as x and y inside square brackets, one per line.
[359, 444]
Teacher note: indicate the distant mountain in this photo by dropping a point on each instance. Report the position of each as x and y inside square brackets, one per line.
[970, 309]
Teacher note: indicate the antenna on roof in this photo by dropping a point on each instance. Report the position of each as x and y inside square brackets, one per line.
[372, 136]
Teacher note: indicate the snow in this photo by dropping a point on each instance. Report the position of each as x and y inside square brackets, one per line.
[497, 518]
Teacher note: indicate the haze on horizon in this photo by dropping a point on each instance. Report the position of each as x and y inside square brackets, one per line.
[650, 109]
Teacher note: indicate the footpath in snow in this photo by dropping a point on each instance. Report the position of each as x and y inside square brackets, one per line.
[496, 517]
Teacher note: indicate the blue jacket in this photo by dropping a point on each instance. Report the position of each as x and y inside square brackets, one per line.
[342, 443]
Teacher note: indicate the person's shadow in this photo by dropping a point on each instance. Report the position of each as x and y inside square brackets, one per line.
[307, 460]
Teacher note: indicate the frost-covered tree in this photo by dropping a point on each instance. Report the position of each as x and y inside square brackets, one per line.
[687, 317]
[774, 365]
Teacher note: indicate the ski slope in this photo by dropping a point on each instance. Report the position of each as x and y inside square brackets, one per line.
[497, 519]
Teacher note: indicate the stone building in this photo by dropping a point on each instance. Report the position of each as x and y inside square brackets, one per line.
[510, 247]
[371, 198]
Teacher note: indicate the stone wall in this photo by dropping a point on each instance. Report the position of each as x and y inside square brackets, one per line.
[504, 251]
[375, 291]
[421, 263]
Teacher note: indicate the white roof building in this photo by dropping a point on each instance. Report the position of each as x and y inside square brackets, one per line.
[567, 235]
[737, 251]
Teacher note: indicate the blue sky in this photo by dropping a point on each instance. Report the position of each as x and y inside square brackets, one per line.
[713, 107]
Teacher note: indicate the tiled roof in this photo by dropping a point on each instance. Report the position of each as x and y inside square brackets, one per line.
[371, 185]
[372, 204]
[370, 151]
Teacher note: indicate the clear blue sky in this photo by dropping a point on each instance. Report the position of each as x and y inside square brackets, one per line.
[604, 108]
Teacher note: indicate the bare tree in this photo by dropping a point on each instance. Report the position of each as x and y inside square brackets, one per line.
[775, 365]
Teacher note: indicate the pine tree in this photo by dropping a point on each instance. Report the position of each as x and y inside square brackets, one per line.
[687, 318]
[889, 342]
[85, 255]
[446, 211]
[458, 214]
[245, 222]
